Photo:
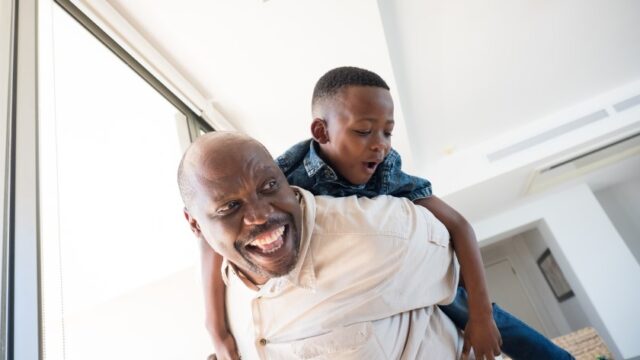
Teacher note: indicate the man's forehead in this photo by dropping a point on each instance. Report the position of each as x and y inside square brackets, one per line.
[244, 171]
[245, 159]
[224, 182]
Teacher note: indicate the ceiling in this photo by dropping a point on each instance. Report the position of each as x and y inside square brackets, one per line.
[462, 73]
[469, 70]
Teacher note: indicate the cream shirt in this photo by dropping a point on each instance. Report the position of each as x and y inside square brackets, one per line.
[368, 274]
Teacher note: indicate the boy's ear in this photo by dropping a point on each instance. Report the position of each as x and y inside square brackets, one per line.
[193, 223]
[319, 131]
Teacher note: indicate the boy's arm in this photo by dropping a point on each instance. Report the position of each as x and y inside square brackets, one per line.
[214, 303]
[481, 332]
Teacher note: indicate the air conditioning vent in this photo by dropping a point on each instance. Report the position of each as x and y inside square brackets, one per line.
[585, 162]
[548, 135]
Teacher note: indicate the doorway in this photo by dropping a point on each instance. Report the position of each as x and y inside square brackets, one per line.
[508, 291]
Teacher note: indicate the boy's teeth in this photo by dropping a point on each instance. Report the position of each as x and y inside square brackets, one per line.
[268, 238]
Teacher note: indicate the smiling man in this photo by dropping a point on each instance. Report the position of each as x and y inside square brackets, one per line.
[318, 277]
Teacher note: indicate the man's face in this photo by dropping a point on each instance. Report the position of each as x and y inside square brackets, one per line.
[247, 212]
[359, 124]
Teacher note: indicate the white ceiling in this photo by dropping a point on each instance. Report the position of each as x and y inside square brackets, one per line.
[468, 70]
[462, 72]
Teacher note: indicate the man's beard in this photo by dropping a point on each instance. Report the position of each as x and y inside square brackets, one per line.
[272, 223]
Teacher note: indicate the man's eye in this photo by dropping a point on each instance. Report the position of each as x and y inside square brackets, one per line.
[270, 185]
[228, 207]
[362, 132]
[387, 134]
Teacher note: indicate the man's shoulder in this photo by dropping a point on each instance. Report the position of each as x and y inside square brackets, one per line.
[381, 215]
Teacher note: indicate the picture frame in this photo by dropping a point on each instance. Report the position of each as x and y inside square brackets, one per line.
[554, 276]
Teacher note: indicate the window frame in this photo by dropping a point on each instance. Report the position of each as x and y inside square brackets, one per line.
[193, 120]
[7, 81]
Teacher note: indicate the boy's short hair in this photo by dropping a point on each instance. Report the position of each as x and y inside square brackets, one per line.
[334, 80]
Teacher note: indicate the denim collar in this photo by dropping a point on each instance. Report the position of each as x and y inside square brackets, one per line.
[313, 163]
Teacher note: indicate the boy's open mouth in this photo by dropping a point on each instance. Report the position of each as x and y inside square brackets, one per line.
[370, 166]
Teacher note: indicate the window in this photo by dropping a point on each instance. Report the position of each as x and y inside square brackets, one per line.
[118, 262]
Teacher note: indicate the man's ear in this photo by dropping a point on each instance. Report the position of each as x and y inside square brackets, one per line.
[319, 131]
[193, 223]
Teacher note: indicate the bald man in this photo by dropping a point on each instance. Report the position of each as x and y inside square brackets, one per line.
[318, 277]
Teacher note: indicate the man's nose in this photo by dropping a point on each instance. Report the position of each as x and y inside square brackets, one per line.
[257, 213]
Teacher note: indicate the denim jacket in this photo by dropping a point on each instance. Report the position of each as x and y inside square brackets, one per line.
[303, 167]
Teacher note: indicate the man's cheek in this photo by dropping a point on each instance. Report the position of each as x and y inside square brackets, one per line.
[225, 241]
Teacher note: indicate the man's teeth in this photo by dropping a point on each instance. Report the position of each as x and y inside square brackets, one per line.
[268, 238]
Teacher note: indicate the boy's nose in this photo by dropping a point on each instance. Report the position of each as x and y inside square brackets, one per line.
[379, 144]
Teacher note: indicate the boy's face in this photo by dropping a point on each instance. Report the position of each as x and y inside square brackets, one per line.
[359, 123]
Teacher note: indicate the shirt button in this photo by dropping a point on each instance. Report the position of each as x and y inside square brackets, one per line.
[263, 342]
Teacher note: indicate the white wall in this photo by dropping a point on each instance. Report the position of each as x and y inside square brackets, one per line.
[147, 323]
[261, 78]
[571, 309]
[594, 258]
[622, 204]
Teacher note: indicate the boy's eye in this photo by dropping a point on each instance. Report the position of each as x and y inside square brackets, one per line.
[387, 133]
[228, 207]
[362, 132]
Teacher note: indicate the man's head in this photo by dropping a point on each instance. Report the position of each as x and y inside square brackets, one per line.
[238, 200]
[352, 121]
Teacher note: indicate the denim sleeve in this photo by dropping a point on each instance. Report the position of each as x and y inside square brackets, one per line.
[401, 184]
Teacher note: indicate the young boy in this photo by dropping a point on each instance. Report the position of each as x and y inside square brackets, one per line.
[350, 154]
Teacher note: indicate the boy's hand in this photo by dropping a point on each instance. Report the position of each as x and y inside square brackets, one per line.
[483, 336]
[225, 346]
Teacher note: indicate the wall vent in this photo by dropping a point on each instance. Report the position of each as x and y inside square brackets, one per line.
[549, 134]
[627, 104]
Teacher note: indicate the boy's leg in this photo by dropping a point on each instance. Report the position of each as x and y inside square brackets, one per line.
[519, 341]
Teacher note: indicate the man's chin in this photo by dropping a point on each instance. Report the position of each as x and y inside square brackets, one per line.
[270, 270]
[279, 271]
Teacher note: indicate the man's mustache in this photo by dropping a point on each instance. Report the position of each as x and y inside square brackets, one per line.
[273, 222]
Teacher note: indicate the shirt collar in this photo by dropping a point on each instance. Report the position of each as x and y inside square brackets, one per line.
[313, 163]
[303, 274]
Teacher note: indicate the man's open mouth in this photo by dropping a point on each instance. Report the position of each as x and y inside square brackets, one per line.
[269, 241]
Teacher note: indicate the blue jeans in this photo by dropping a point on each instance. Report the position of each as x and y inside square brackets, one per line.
[519, 341]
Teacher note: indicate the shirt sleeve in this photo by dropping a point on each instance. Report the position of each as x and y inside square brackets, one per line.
[400, 184]
[429, 271]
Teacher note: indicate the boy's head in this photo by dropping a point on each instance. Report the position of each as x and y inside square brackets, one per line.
[352, 121]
